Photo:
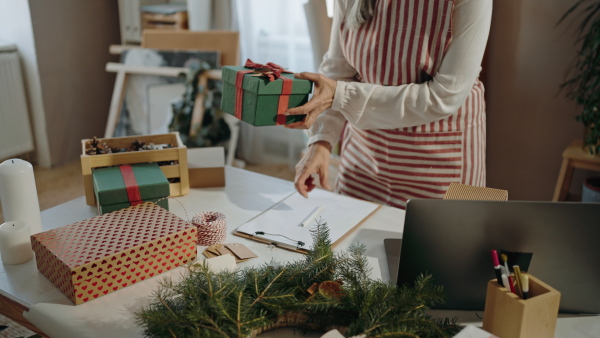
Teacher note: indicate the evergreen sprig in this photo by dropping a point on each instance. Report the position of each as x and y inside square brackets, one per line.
[257, 299]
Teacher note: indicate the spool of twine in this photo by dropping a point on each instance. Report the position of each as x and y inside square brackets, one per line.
[212, 228]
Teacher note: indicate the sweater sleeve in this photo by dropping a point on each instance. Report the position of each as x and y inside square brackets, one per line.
[371, 106]
[329, 124]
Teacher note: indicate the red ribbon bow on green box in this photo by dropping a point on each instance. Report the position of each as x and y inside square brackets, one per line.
[270, 70]
[273, 72]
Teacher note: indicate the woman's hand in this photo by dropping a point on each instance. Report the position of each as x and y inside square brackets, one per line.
[321, 100]
[316, 161]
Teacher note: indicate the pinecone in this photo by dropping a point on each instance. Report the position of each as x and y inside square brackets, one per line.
[137, 145]
[329, 289]
[96, 146]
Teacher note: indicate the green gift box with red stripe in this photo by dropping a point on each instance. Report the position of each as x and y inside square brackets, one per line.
[123, 186]
[260, 94]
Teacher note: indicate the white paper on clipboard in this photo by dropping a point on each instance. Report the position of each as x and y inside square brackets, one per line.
[282, 223]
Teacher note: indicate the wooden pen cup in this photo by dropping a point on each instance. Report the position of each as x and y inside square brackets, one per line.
[507, 315]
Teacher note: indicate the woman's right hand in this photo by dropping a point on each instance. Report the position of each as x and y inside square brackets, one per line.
[315, 161]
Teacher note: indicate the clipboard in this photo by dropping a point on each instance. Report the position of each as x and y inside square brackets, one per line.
[281, 226]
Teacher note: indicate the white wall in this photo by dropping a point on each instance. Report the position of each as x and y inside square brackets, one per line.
[16, 28]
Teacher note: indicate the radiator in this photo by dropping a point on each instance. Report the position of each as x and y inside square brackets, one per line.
[15, 129]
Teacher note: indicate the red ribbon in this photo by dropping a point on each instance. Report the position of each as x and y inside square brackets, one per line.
[133, 191]
[239, 92]
[270, 70]
[284, 100]
[273, 72]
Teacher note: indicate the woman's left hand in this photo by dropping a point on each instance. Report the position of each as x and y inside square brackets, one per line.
[321, 100]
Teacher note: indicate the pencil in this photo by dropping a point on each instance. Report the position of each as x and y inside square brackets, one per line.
[517, 271]
[311, 218]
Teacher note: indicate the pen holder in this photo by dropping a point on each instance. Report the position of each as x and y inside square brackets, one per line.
[509, 316]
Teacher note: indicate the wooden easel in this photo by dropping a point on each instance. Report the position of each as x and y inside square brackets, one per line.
[123, 71]
[224, 41]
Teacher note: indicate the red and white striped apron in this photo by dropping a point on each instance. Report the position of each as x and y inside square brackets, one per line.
[405, 43]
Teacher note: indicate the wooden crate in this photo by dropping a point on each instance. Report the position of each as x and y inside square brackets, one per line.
[177, 172]
[176, 21]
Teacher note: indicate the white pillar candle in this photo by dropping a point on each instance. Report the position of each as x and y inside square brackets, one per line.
[15, 242]
[18, 194]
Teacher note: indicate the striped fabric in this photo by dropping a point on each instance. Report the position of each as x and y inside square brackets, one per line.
[405, 43]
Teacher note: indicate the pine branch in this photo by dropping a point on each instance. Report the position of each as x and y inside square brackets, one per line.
[239, 317]
[235, 304]
[396, 334]
[267, 288]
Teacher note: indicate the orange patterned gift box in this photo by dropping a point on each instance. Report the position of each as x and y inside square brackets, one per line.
[94, 257]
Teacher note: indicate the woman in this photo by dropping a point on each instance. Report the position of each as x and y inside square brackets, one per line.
[400, 84]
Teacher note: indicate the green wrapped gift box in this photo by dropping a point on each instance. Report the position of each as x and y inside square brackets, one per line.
[256, 99]
[123, 186]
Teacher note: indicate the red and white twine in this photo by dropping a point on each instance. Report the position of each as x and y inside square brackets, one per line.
[212, 228]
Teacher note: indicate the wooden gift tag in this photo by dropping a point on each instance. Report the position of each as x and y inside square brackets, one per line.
[211, 251]
[240, 252]
[223, 250]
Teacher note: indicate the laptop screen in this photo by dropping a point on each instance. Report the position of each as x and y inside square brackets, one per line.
[452, 240]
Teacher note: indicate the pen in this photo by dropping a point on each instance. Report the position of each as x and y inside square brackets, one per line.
[312, 216]
[505, 281]
[517, 271]
[525, 285]
[496, 263]
[505, 260]
[511, 284]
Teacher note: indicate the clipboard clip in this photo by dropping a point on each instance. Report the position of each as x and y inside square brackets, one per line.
[296, 246]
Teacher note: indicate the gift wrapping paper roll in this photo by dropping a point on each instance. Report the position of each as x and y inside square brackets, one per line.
[15, 243]
[18, 194]
[212, 228]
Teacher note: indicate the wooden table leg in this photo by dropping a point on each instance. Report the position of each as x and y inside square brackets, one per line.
[564, 181]
[14, 311]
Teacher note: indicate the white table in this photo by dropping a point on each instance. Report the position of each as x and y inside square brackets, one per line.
[246, 195]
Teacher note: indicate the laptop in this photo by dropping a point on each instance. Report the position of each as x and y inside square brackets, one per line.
[452, 240]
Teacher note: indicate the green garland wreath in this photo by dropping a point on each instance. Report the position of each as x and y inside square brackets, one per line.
[324, 291]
